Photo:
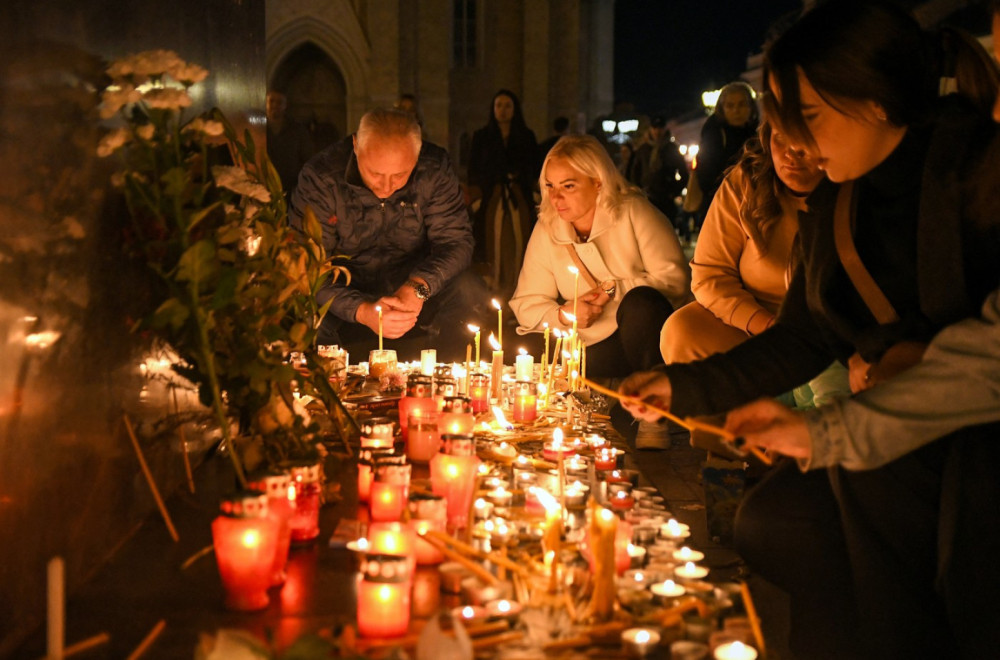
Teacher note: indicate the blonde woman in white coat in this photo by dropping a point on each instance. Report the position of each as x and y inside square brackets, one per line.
[623, 244]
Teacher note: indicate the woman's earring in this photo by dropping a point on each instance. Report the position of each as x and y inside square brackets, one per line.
[881, 116]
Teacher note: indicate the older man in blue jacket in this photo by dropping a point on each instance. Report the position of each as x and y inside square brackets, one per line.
[393, 213]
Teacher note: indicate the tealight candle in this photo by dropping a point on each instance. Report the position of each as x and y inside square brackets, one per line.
[621, 500]
[691, 571]
[686, 554]
[500, 497]
[556, 448]
[667, 591]
[482, 508]
[674, 530]
[639, 642]
[606, 458]
[735, 651]
[636, 555]
[504, 609]
[470, 614]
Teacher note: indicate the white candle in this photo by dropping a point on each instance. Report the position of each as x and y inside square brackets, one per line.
[524, 365]
[686, 554]
[667, 589]
[56, 608]
[691, 571]
[735, 651]
[428, 360]
[475, 329]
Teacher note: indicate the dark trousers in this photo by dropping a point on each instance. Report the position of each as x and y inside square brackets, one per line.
[442, 324]
[914, 543]
[788, 531]
[635, 345]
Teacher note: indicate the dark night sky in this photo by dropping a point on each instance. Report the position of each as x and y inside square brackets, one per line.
[668, 51]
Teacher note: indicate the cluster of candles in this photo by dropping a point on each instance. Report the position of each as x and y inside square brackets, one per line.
[252, 536]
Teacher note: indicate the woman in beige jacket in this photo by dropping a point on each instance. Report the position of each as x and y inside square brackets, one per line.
[633, 273]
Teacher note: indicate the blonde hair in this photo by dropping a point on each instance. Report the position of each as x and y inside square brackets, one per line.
[388, 123]
[587, 156]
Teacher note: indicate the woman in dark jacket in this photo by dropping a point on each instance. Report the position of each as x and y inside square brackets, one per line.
[727, 129]
[898, 561]
[503, 165]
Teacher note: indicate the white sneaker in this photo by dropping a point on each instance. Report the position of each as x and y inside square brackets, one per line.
[651, 435]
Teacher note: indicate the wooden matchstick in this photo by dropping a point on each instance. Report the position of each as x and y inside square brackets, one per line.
[758, 634]
[475, 568]
[148, 640]
[149, 480]
[87, 644]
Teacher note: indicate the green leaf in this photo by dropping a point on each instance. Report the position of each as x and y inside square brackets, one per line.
[312, 226]
[172, 313]
[201, 214]
[225, 289]
[174, 181]
[197, 262]
[228, 234]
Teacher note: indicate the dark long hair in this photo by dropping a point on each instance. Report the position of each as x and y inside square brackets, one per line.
[858, 50]
[761, 206]
[517, 123]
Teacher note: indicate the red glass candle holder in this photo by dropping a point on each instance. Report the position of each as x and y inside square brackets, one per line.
[244, 539]
[606, 458]
[525, 407]
[454, 473]
[419, 397]
[305, 521]
[390, 491]
[428, 512]
[277, 485]
[445, 386]
[456, 416]
[384, 596]
[423, 437]
[479, 392]
[367, 458]
[377, 433]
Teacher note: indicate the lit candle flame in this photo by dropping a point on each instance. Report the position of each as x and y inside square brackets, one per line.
[473, 328]
[642, 637]
[574, 270]
[522, 351]
[546, 499]
[557, 438]
[570, 317]
[494, 343]
[496, 304]
[501, 420]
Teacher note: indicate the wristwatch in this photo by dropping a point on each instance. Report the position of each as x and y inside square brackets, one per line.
[609, 288]
[422, 290]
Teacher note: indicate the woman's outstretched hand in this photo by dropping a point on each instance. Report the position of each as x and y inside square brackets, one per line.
[652, 387]
[771, 425]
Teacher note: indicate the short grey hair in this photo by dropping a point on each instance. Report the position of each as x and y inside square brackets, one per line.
[389, 123]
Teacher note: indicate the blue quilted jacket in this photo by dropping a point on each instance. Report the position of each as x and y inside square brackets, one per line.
[422, 230]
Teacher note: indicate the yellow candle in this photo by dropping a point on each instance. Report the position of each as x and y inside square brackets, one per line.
[497, 306]
[576, 290]
[378, 308]
[475, 329]
[583, 360]
[468, 367]
[545, 355]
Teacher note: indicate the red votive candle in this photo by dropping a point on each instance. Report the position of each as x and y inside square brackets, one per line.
[389, 492]
[423, 438]
[454, 473]
[525, 407]
[479, 392]
[277, 485]
[305, 522]
[456, 416]
[377, 433]
[428, 512]
[384, 596]
[606, 458]
[244, 539]
[419, 397]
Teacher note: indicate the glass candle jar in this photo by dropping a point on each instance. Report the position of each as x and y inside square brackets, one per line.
[525, 408]
[428, 512]
[366, 469]
[456, 416]
[381, 362]
[419, 397]
[377, 432]
[383, 596]
[277, 485]
[454, 473]
[390, 491]
[444, 386]
[245, 538]
[423, 437]
[479, 392]
[305, 521]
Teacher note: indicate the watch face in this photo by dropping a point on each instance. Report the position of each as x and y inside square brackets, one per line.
[422, 291]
